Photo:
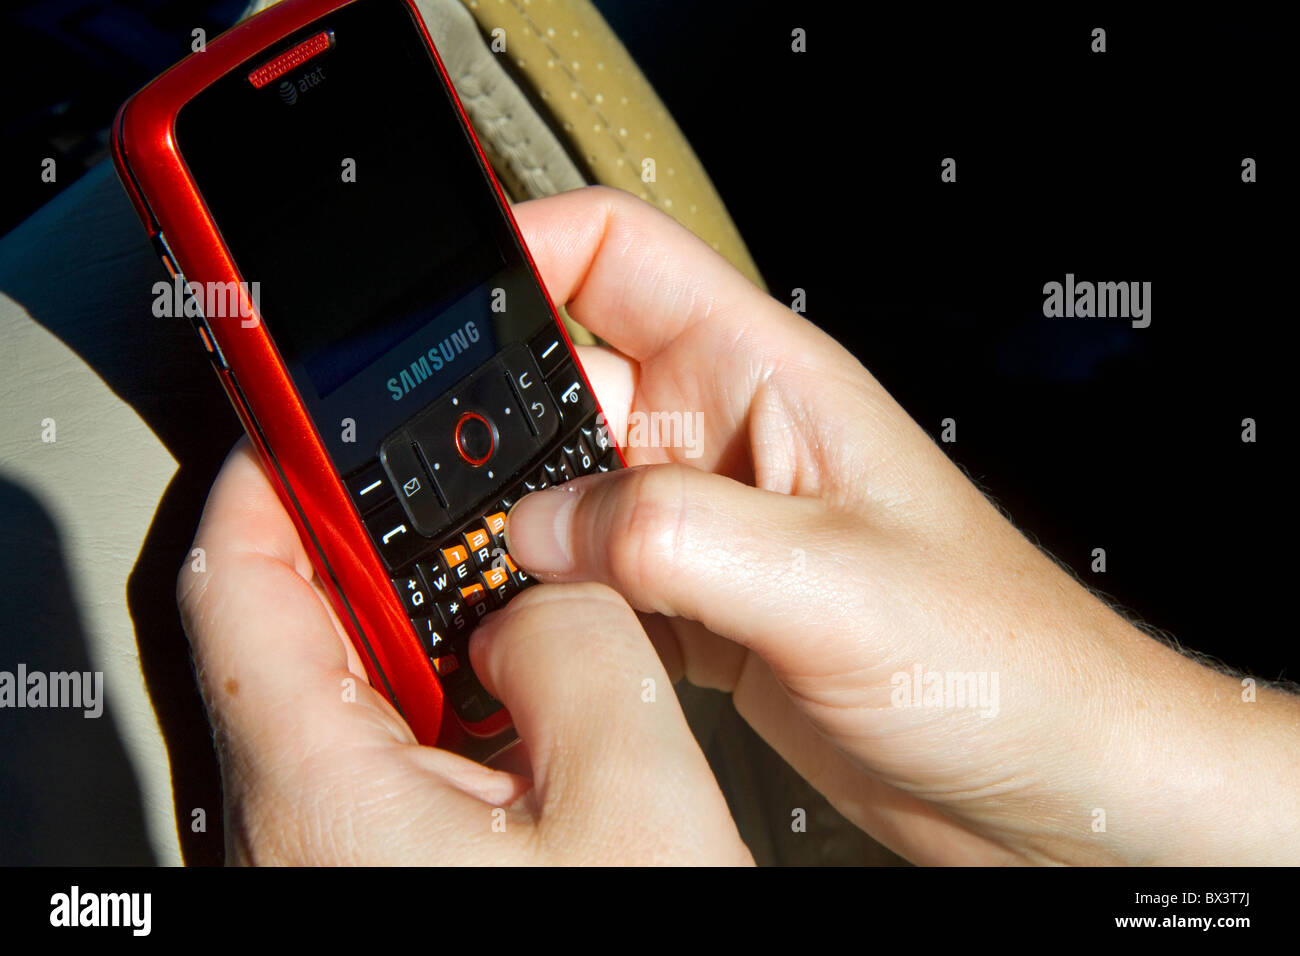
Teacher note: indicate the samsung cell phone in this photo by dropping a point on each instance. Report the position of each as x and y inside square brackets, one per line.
[353, 270]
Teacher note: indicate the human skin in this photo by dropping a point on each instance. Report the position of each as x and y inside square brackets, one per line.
[1106, 746]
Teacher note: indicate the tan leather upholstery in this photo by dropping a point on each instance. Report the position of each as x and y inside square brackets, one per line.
[82, 348]
[608, 115]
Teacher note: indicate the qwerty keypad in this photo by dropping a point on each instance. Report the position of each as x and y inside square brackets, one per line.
[449, 582]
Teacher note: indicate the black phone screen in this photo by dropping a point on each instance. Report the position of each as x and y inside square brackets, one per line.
[348, 190]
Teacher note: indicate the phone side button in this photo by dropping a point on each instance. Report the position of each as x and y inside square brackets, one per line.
[210, 345]
[164, 250]
[398, 543]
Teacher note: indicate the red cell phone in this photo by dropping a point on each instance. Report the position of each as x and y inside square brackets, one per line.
[353, 270]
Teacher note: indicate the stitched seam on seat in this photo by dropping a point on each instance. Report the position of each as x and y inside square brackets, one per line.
[526, 159]
[495, 116]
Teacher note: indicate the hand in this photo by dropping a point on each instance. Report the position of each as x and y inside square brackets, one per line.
[312, 778]
[822, 548]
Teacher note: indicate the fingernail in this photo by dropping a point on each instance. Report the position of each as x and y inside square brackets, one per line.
[538, 530]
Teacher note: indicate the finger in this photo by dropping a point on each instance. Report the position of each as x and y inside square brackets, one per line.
[272, 665]
[631, 274]
[614, 379]
[617, 774]
[688, 544]
[708, 343]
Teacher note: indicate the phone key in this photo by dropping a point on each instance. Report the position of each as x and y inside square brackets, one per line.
[563, 470]
[456, 559]
[521, 577]
[525, 377]
[370, 488]
[581, 457]
[469, 705]
[446, 664]
[437, 579]
[458, 681]
[571, 394]
[484, 557]
[548, 348]
[487, 706]
[495, 577]
[529, 386]
[471, 701]
[415, 599]
[477, 539]
[433, 635]
[397, 543]
[596, 434]
[460, 620]
[473, 594]
[540, 415]
[498, 582]
[415, 489]
[496, 523]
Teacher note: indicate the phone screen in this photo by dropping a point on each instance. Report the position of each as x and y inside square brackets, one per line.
[349, 191]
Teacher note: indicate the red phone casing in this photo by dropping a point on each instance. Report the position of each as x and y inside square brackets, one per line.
[255, 378]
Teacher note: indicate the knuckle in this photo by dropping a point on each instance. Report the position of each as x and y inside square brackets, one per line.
[611, 196]
[647, 521]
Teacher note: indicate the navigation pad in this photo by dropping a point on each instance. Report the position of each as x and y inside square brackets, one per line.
[470, 442]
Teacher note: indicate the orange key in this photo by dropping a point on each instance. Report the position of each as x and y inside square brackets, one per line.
[477, 539]
[496, 523]
[455, 555]
[495, 577]
[473, 594]
[446, 664]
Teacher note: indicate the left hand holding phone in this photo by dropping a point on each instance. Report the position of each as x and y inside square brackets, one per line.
[319, 769]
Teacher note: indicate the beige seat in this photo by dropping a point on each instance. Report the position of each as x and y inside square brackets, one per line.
[94, 524]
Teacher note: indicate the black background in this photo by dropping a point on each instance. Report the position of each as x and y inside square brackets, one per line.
[1124, 165]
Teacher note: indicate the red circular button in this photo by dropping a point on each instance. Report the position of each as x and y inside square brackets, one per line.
[476, 439]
